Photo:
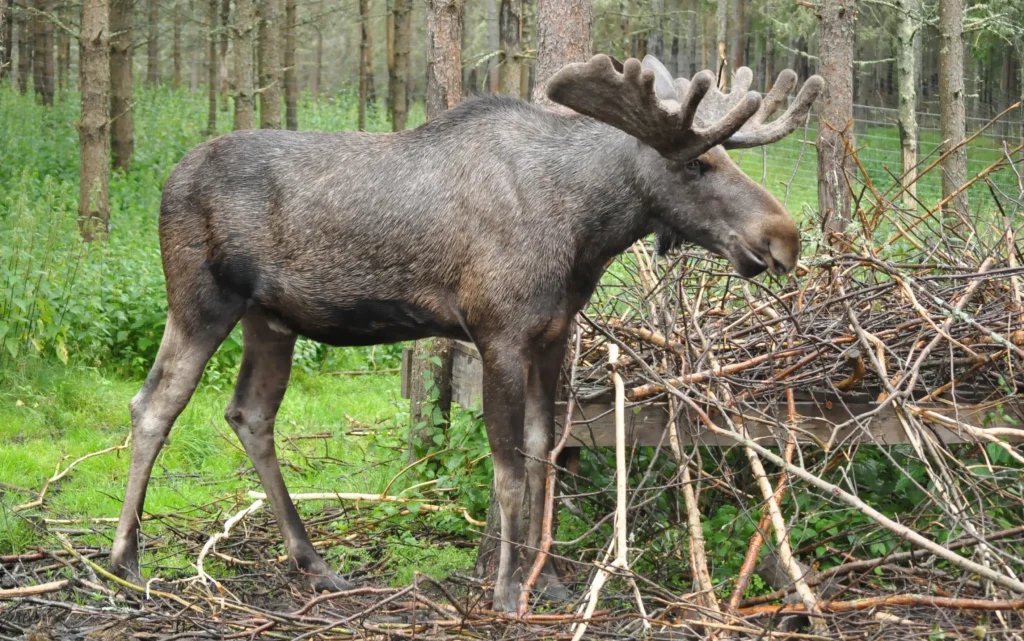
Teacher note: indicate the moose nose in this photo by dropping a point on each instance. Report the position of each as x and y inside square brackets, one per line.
[783, 253]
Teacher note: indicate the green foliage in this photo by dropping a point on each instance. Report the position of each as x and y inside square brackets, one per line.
[103, 303]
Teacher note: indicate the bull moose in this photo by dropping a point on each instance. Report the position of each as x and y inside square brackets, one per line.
[492, 223]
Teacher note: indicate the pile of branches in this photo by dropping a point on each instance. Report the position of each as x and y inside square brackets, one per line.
[913, 314]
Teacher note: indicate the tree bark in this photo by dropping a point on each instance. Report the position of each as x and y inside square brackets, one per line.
[444, 56]
[270, 64]
[690, 68]
[908, 49]
[836, 38]
[17, 81]
[400, 87]
[25, 49]
[318, 53]
[212, 67]
[510, 36]
[364, 54]
[739, 43]
[564, 34]
[176, 44]
[5, 29]
[493, 45]
[769, 59]
[153, 45]
[122, 128]
[93, 134]
[952, 116]
[63, 47]
[42, 57]
[722, 24]
[656, 36]
[291, 72]
[243, 36]
[222, 58]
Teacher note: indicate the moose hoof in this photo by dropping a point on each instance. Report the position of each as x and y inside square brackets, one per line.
[506, 599]
[551, 589]
[329, 581]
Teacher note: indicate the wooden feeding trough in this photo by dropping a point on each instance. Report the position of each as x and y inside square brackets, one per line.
[646, 422]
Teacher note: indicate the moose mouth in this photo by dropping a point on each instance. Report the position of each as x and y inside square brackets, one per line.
[746, 262]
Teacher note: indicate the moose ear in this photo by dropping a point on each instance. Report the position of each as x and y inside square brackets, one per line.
[663, 83]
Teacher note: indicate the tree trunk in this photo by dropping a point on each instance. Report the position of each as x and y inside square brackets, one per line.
[722, 24]
[270, 64]
[951, 101]
[25, 49]
[769, 59]
[222, 58]
[444, 56]
[63, 47]
[243, 35]
[836, 38]
[656, 36]
[510, 34]
[291, 73]
[153, 45]
[400, 88]
[17, 80]
[319, 52]
[364, 54]
[493, 45]
[93, 136]
[42, 57]
[908, 48]
[5, 38]
[690, 68]
[212, 67]
[122, 129]
[564, 35]
[739, 44]
[371, 86]
[176, 45]
[389, 54]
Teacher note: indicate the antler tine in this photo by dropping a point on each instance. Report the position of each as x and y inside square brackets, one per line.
[760, 134]
[623, 100]
[628, 101]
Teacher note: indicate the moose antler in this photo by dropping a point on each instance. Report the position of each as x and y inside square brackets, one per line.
[683, 118]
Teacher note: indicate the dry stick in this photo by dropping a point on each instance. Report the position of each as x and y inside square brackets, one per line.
[230, 523]
[757, 539]
[57, 475]
[376, 498]
[549, 492]
[698, 557]
[851, 500]
[893, 600]
[33, 590]
[619, 542]
[782, 538]
[942, 203]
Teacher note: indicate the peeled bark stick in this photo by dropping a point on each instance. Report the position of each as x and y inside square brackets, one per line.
[230, 523]
[810, 601]
[620, 539]
[33, 590]
[750, 560]
[851, 500]
[901, 600]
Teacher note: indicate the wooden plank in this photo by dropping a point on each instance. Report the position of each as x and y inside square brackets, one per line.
[406, 369]
[646, 424]
[593, 426]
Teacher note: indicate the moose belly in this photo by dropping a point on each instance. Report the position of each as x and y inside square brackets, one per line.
[368, 322]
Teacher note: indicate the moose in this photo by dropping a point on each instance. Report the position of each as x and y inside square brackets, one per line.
[492, 223]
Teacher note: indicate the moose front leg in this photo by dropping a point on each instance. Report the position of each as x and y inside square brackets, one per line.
[539, 430]
[505, 371]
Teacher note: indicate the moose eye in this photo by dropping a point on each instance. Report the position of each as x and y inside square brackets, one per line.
[697, 166]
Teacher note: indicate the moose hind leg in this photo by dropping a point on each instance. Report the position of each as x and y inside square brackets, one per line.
[539, 430]
[504, 387]
[176, 372]
[262, 381]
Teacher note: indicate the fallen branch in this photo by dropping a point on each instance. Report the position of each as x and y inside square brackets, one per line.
[33, 590]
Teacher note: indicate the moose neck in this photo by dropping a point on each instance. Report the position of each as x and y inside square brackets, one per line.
[607, 191]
